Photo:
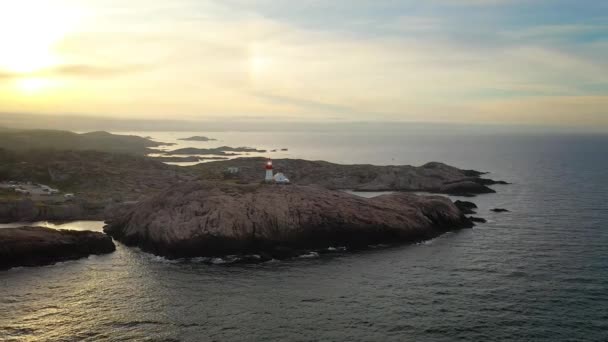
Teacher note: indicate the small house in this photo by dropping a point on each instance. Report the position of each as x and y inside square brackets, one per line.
[280, 178]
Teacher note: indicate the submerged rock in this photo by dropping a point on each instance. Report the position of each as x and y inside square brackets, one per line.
[36, 246]
[213, 219]
[499, 210]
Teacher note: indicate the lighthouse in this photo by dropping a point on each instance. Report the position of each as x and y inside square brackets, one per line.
[269, 176]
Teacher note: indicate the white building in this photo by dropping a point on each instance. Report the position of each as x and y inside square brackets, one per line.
[48, 190]
[280, 178]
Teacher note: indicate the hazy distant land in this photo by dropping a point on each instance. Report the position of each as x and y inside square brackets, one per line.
[17, 139]
[198, 138]
[219, 151]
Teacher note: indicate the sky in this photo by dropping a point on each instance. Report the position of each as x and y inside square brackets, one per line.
[538, 62]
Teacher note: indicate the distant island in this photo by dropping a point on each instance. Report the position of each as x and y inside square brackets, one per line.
[189, 159]
[219, 151]
[198, 138]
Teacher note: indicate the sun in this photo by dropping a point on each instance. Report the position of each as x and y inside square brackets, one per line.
[259, 61]
[29, 31]
[33, 85]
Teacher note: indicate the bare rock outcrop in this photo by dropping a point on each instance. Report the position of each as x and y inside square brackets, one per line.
[36, 246]
[215, 218]
[466, 207]
[430, 177]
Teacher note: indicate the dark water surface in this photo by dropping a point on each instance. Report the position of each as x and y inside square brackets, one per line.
[537, 273]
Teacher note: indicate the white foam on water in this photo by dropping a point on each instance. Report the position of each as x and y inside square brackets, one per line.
[310, 255]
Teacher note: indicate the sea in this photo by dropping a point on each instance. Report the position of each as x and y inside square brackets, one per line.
[536, 273]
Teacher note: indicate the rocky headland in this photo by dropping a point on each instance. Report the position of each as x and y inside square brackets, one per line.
[431, 177]
[272, 221]
[101, 180]
[36, 246]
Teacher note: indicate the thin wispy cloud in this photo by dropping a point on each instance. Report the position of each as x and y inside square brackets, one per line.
[441, 60]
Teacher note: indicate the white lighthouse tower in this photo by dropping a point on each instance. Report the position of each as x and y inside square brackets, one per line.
[269, 176]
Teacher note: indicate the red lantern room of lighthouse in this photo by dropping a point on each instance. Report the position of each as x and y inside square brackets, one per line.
[269, 176]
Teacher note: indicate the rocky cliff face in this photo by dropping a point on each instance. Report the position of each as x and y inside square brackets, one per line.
[211, 219]
[34, 246]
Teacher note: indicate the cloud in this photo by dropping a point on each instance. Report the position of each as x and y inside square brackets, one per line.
[77, 70]
[561, 32]
[84, 70]
[353, 60]
[307, 105]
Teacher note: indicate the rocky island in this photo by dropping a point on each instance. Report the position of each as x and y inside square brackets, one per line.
[198, 138]
[218, 151]
[189, 159]
[36, 246]
[273, 221]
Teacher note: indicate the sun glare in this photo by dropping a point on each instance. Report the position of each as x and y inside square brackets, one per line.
[258, 61]
[33, 85]
[29, 31]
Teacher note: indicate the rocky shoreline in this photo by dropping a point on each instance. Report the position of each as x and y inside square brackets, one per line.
[37, 246]
[207, 219]
[203, 211]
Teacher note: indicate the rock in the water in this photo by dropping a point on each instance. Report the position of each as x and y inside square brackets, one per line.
[478, 219]
[35, 246]
[213, 218]
[465, 188]
[465, 206]
[499, 210]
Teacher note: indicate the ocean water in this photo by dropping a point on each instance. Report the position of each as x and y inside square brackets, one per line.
[536, 273]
